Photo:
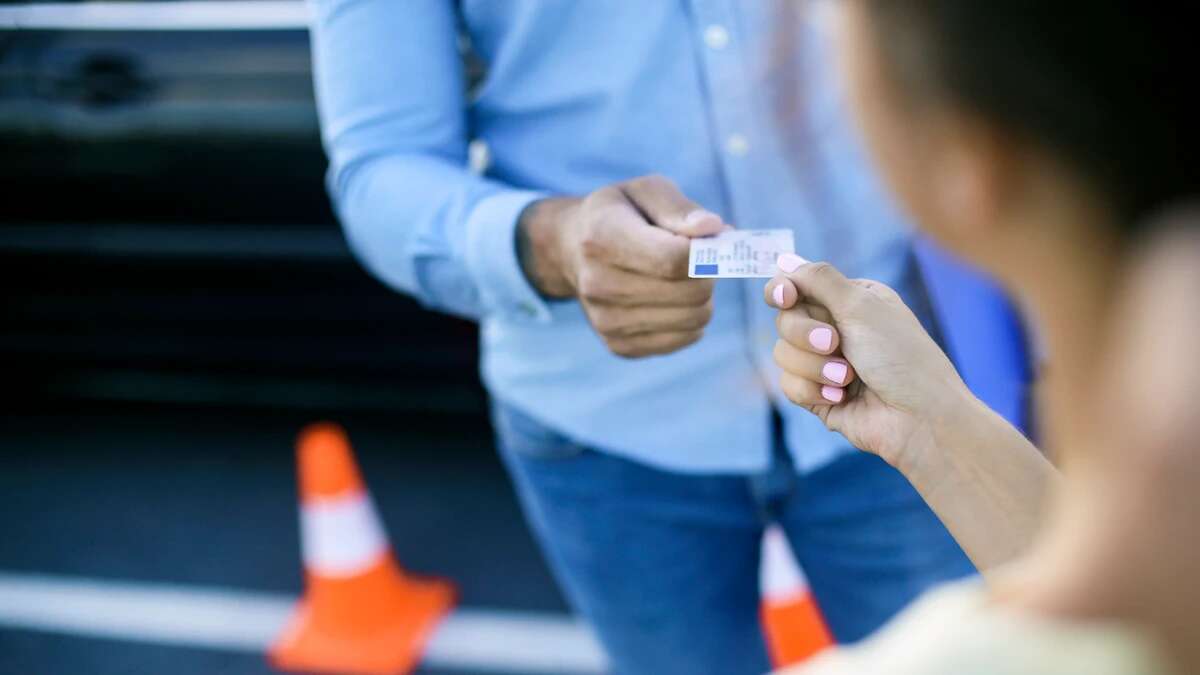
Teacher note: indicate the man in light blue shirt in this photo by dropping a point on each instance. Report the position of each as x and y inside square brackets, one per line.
[638, 410]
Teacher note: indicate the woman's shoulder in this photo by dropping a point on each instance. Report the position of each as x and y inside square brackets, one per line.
[956, 629]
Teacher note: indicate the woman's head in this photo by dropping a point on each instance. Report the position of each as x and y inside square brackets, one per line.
[992, 118]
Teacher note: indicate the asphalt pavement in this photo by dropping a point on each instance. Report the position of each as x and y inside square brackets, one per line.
[206, 498]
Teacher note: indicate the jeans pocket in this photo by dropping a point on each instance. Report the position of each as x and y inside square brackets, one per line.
[525, 437]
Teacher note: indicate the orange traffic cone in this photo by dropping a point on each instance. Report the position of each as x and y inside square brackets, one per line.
[360, 613]
[791, 619]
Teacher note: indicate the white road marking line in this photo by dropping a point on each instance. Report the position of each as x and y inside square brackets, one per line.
[176, 15]
[477, 640]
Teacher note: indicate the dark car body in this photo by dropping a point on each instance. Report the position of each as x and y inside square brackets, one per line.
[165, 234]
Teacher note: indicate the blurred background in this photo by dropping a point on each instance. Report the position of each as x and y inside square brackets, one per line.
[178, 301]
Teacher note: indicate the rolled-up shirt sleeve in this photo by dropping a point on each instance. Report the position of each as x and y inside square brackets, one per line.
[391, 96]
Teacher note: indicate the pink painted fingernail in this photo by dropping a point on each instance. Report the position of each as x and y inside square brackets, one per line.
[790, 262]
[832, 394]
[698, 217]
[835, 371]
[821, 338]
[778, 295]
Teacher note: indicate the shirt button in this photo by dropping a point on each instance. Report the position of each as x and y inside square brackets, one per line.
[737, 145]
[716, 36]
[479, 156]
[527, 309]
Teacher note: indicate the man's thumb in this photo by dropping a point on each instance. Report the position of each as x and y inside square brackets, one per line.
[665, 206]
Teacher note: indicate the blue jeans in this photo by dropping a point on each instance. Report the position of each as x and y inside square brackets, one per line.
[665, 565]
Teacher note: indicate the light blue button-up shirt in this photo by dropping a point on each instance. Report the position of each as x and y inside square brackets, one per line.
[580, 94]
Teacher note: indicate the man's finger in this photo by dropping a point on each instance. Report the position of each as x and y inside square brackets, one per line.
[612, 286]
[820, 283]
[653, 343]
[661, 202]
[622, 322]
[618, 235]
[632, 244]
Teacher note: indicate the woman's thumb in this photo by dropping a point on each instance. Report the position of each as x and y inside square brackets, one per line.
[818, 282]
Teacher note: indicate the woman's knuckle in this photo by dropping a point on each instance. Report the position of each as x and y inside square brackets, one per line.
[794, 389]
[781, 353]
[859, 300]
[786, 323]
[822, 270]
[886, 292]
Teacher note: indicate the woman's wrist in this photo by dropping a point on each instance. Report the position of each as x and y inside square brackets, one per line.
[985, 481]
[952, 418]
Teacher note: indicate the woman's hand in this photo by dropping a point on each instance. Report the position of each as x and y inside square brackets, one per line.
[901, 399]
[853, 354]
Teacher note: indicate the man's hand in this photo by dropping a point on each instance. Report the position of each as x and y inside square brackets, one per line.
[623, 252]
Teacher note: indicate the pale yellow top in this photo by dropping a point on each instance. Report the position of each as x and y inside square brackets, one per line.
[955, 630]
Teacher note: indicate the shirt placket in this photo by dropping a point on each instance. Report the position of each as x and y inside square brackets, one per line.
[744, 156]
[723, 67]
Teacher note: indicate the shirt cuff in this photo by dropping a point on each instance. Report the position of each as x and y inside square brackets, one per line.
[491, 257]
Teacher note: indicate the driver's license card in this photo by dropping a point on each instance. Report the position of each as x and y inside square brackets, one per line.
[739, 254]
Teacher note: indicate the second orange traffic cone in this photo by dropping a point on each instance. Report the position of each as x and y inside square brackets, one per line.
[360, 613]
[791, 619]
